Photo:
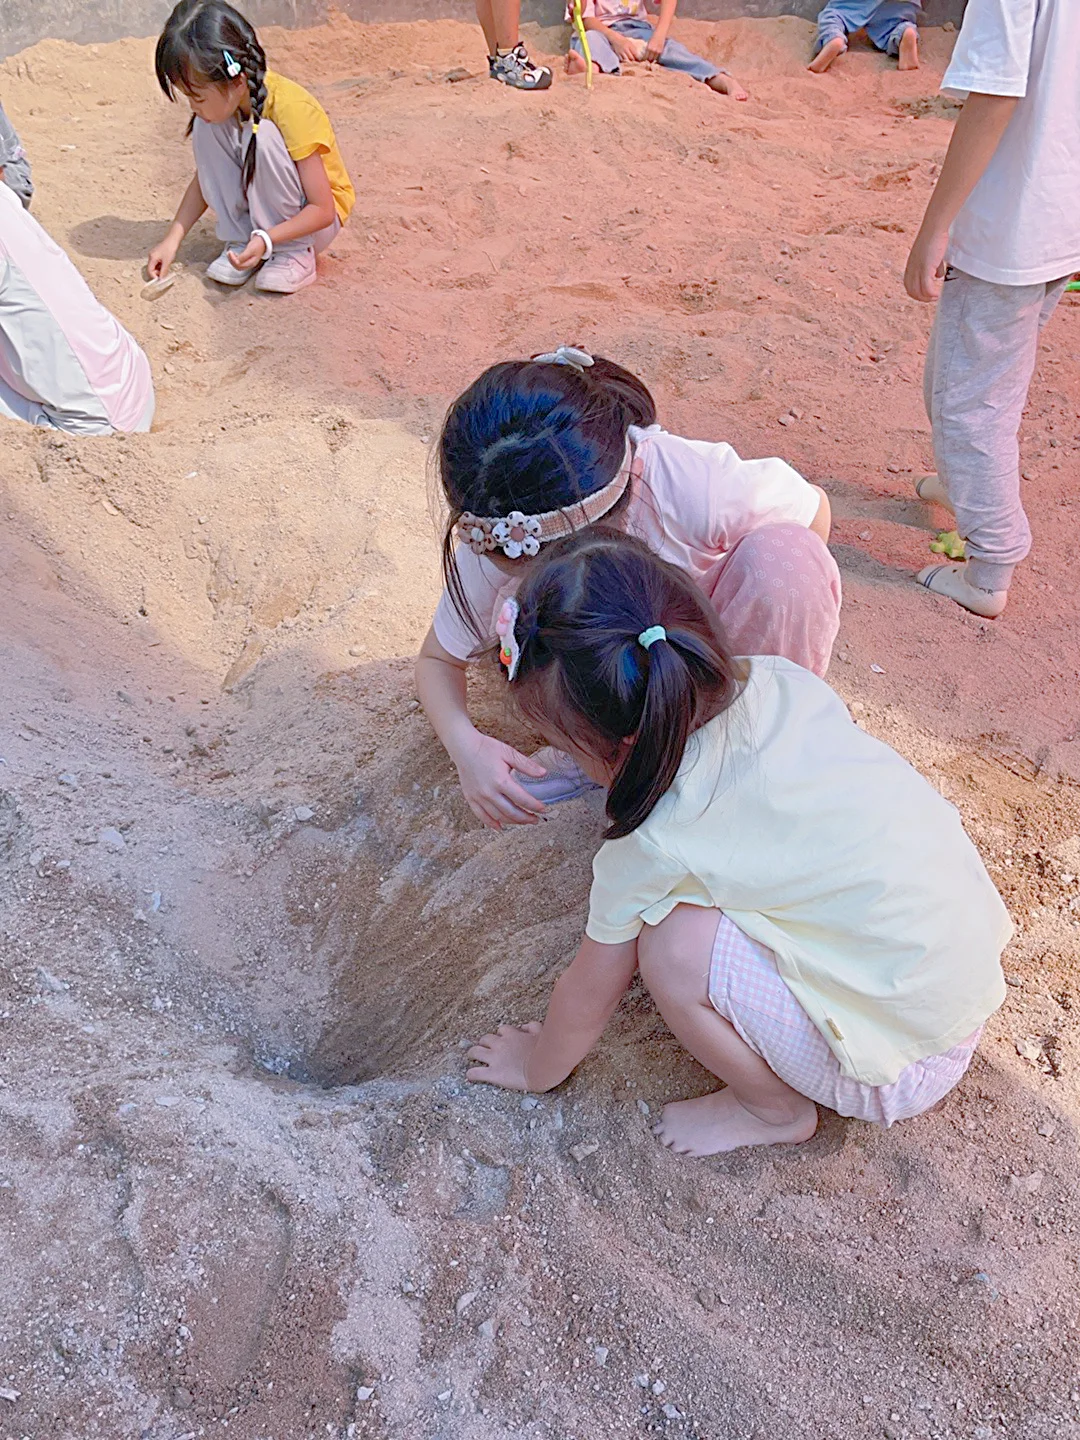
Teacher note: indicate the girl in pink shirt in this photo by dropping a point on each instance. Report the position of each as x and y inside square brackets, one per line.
[536, 449]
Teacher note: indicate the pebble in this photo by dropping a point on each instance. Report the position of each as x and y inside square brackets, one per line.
[642, 1380]
[304, 813]
[166, 1101]
[444, 1396]
[865, 535]
[464, 1301]
[529, 1102]
[641, 1105]
[112, 839]
[66, 778]
[671, 1412]
[893, 469]
[183, 1399]
[9, 1395]
[878, 669]
[486, 1329]
[155, 901]
[1026, 1184]
[784, 420]
[48, 981]
[364, 1392]
[600, 1354]
[1047, 1129]
[35, 858]
[584, 1150]
[658, 1387]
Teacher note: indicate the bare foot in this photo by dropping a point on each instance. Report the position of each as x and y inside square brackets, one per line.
[909, 49]
[715, 1123]
[827, 54]
[727, 85]
[575, 63]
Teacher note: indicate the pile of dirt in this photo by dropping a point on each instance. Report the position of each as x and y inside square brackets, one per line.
[246, 921]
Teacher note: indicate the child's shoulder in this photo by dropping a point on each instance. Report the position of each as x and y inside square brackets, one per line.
[290, 93]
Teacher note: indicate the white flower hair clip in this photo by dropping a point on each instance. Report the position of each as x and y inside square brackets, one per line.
[509, 649]
[579, 360]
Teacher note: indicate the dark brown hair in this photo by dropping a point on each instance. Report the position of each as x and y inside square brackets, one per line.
[585, 675]
[534, 436]
[192, 48]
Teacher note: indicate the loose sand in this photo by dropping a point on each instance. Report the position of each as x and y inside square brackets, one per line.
[243, 1186]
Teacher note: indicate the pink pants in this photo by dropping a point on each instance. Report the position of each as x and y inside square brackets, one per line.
[746, 988]
[778, 593]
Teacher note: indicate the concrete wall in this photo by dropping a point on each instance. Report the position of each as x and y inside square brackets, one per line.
[22, 22]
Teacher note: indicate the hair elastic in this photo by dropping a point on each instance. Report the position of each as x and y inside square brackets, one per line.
[232, 65]
[651, 635]
[509, 649]
[579, 360]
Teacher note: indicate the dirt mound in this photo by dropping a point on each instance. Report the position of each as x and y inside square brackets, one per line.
[246, 921]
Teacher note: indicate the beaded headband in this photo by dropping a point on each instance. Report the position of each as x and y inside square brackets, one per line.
[518, 534]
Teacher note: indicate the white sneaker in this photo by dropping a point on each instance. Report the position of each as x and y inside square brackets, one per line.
[951, 580]
[225, 272]
[285, 274]
[932, 491]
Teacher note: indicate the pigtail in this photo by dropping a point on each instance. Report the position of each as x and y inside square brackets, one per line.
[253, 64]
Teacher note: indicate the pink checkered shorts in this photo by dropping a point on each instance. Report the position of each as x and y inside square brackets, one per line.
[746, 988]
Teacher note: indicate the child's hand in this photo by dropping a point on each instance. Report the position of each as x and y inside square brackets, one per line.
[504, 1056]
[926, 266]
[654, 48]
[487, 783]
[160, 259]
[250, 256]
[627, 48]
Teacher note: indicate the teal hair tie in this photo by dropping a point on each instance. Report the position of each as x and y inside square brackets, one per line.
[651, 635]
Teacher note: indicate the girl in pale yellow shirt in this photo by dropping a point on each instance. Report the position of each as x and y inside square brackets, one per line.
[266, 158]
[807, 911]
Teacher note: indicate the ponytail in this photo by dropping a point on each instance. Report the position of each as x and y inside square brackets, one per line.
[621, 654]
[204, 41]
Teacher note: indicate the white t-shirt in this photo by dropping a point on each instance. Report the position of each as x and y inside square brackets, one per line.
[693, 501]
[825, 845]
[1021, 223]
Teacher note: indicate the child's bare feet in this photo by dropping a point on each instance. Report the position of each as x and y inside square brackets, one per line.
[827, 54]
[713, 1124]
[909, 49]
[727, 85]
[575, 63]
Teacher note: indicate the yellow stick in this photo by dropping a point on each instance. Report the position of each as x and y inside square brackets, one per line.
[582, 35]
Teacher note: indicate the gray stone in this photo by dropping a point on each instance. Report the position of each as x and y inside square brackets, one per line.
[111, 838]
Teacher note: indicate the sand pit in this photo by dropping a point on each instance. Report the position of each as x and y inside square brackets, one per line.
[246, 920]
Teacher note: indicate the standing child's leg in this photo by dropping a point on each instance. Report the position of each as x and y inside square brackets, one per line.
[979, 366]
[756, 1107]
[219, 160]
[831, 38]
[779, 594]
[893, 28]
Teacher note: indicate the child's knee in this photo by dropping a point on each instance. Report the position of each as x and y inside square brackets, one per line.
[675, 956]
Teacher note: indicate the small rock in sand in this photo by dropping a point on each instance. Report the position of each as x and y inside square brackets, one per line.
[66, 778]
[48, 981]
[529, 1102]
[464, 1301]
[304, 813]
[364, 1392]
[584, 1150]
[671, 1412]
[486, 1329]
[111, 838]
[600, 1354]
[658, 1387]
[1026, 1184]
[183, 1399]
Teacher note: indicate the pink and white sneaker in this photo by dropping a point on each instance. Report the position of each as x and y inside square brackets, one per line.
[285, 274]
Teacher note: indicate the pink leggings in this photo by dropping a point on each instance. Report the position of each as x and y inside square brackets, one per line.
[778, 593]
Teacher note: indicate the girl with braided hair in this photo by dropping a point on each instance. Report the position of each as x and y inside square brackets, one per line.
[806, 910]
[266, 159]
[535, 449]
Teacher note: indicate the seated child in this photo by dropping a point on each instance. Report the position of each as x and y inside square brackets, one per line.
[266, 159]
[535, 449]
[622, 30]
[65, 362]
[811, 919]
[13, 161]
[890, 25]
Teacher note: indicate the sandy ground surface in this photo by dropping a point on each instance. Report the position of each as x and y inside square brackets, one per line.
[246, 921]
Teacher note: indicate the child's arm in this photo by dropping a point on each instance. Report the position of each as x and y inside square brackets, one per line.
[484, 764]
[539, 1057]
[625, 46]
[655, 47]
[317, 214]
[978, 132]
[192, 206]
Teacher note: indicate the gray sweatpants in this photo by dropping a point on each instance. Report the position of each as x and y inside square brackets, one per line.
[274, 195]
[978, 368]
